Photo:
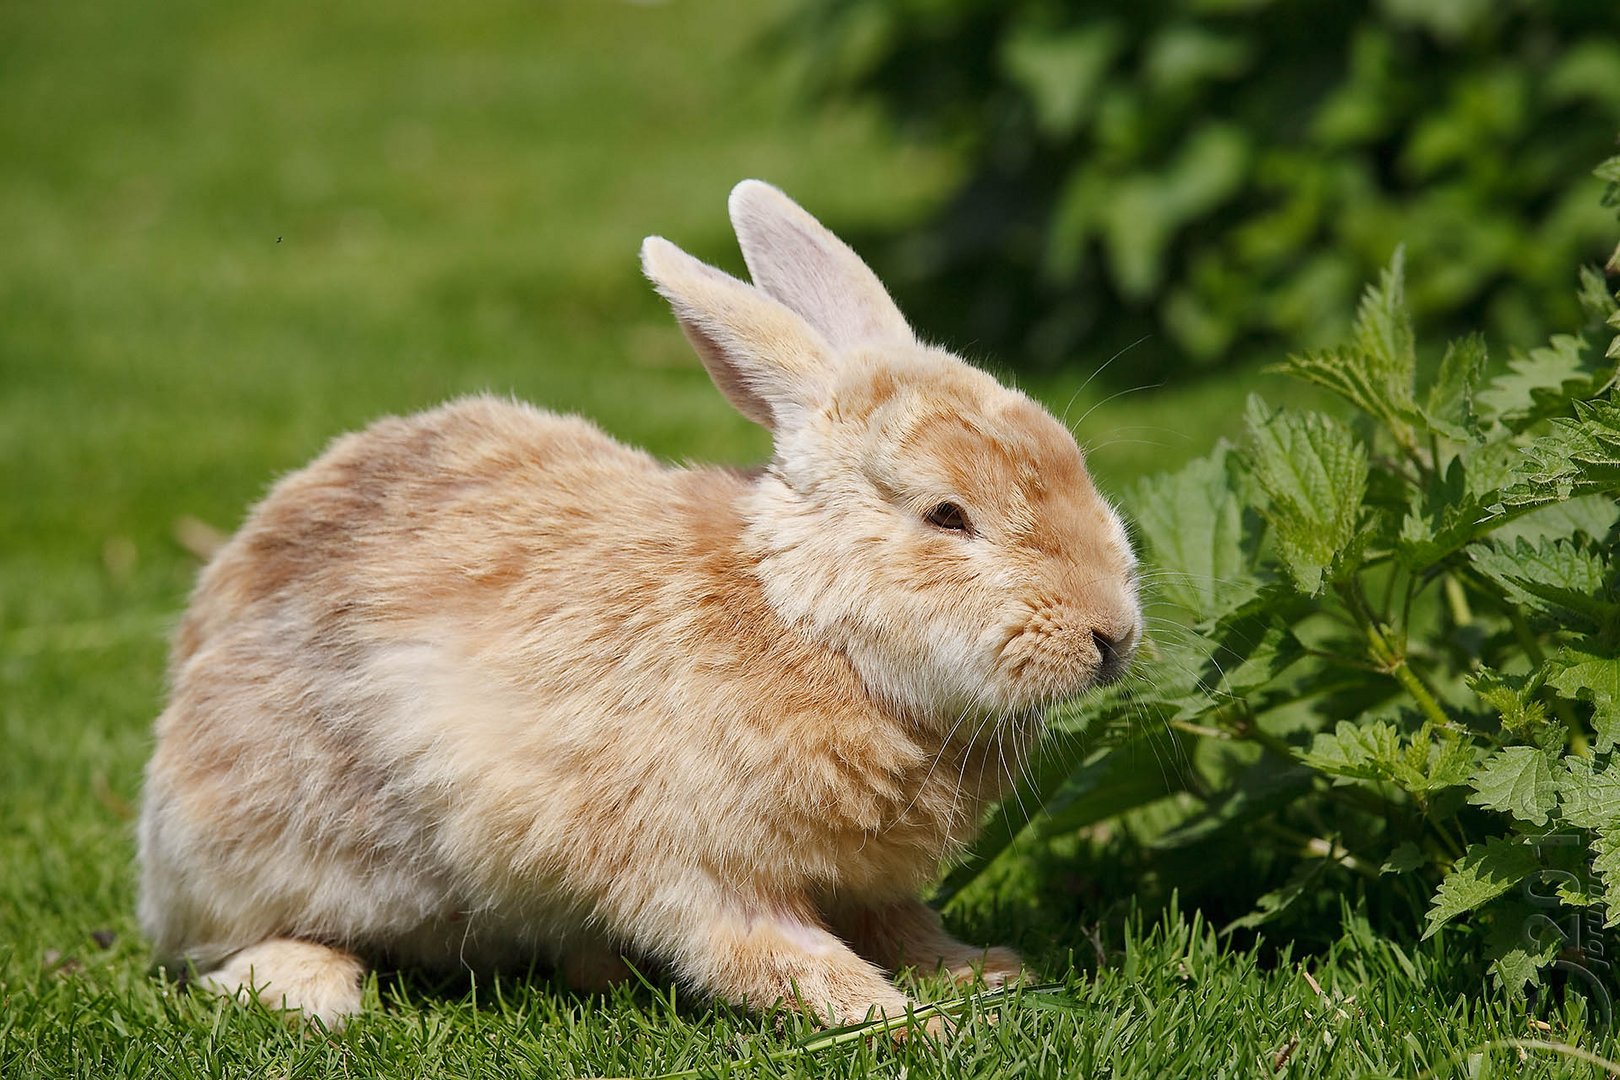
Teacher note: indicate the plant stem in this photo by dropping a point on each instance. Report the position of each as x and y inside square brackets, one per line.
[1445, 834]
[1390, 659]
[1457, 601]
[1413, 685]
[1321, 848]
[1200, 730]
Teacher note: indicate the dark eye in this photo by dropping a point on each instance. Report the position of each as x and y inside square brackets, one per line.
[947, 515]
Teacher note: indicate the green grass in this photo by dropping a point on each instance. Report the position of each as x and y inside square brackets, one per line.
[1173, 1002]
[231, 232]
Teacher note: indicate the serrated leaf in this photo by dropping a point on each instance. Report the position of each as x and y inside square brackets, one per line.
[1314, 474]
[1516, 954]
[1561, 578]
[1448, 407]
[1578, 893]
[1516, 780]
[1356, 751]
[1582, 673]
[1514, 697]
[1441, 517]
[1485, 872]
[1588, 516]
[1545, 381]
[1579, 456]
[1375, 370]
[1430, 761]
[1435, 761]
[1588, 795]
[1597, 299]
[1606, 864]
[1193, 525]
[1406, 856]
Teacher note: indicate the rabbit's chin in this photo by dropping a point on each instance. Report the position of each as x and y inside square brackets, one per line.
[978, 725]
[1026, 706]
[990, 714]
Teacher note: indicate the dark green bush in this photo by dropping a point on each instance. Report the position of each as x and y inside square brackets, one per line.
[1223, 174]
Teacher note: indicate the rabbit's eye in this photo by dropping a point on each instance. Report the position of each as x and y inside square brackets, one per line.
[948, 515]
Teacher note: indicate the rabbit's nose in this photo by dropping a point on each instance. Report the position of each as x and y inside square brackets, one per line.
[1112, 651]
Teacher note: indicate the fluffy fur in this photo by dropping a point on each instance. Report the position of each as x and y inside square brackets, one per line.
[482, 685]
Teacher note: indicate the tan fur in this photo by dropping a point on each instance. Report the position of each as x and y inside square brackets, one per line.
[314, 981]
[482, 685]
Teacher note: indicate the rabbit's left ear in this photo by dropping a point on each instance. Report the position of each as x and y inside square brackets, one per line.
[796, 259]
[766, 359]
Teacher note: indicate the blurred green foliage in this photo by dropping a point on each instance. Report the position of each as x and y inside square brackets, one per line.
[1223, 174]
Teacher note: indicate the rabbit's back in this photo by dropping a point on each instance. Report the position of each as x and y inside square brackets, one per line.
[428, 513]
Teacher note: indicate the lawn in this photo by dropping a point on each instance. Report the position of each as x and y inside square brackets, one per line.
[232, 232]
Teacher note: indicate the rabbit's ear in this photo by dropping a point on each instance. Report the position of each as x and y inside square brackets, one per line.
[763, 357]
[794, 258]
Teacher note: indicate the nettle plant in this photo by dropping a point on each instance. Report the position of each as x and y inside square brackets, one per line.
[1387, 645]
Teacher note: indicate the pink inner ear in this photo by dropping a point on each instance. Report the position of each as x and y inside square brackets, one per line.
[726, 376]
[798, 261]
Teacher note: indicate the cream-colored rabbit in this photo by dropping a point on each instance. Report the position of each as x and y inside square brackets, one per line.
[482, 685]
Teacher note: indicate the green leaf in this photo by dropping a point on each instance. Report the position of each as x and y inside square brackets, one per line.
[1356, 751]
[1256, 791]
[1561, 578]
[1606, 864]
[1407, 856]
[1516, 954]
[1515, 697]
[1448, 407]
[1485, 872]
[1597, 299]
[1546, 381]
[1435, 760]
[1516, 780]
[1314, 475]
[1588, 795]
[1578, 456]
[1375, 370]
[1580, 674]
[1060, 74]
[1442, 516]
[1430, 761]
[1588, 516]
[1192, 523]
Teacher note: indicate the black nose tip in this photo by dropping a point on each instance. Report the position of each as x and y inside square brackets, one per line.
[1109, 651]
[1107, 648]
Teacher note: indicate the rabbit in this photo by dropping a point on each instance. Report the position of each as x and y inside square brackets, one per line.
[484, 687]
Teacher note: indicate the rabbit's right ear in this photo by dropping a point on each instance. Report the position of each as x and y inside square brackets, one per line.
[765, 358]
[798, 260]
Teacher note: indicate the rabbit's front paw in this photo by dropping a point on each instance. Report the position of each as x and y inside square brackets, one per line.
[994, 967]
